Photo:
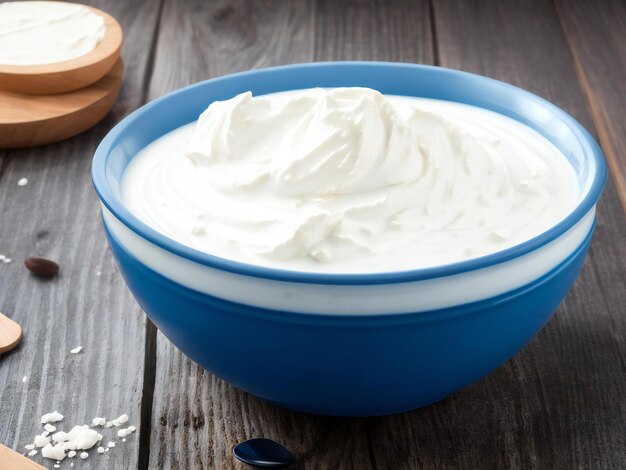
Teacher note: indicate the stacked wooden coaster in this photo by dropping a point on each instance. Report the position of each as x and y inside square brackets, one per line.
[41, 104]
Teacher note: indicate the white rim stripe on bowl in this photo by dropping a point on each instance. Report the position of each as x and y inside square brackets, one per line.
[402, 297]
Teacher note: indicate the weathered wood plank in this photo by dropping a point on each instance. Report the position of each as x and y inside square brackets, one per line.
[597, 37]
[199, 40]
[396, 31]
[198, 418]
[559, 403]
[57, 215]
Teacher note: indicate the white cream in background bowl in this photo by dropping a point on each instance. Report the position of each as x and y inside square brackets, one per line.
[37, 33]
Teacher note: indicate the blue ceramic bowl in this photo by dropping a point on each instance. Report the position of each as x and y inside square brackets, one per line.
[357, 344]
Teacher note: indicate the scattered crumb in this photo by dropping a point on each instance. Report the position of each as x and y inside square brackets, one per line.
[80, 437]
[22, 182]
[55, 452]
[62, 444]
[2, 257]
[117, 422]
[76, 350]
[51, 417]
[126, 432]
[56, 465]
[6, 260]
[60, 437]
[41, 440]
[98, 273]
[71, 464]
[24, 379]
[98, 422]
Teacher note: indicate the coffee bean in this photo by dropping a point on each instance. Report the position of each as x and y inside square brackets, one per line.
[42, 267]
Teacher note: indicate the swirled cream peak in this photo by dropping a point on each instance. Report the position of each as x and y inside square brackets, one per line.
[35, 32]
[346, 141]
[349, 180]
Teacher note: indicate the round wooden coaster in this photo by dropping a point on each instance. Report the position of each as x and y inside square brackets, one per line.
[68, 75]
[30, 120]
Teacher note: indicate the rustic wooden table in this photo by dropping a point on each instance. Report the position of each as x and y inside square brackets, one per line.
[559, 404]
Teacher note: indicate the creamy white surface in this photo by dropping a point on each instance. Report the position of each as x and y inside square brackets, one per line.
[349, 180]
[36, 33]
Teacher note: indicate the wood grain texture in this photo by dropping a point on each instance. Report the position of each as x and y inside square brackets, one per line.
[558, 404]
[397, 30]
[597, 37]
[199, 40]
[14, 461]
[69, 75]
[33, 120]
[57, 216]
[560, 401]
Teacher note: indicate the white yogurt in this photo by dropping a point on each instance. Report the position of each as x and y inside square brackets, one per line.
[348, 180]
[36, 33]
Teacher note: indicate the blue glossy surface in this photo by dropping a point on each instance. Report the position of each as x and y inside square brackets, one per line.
[263, 453]
[185, 105]
[347, 365]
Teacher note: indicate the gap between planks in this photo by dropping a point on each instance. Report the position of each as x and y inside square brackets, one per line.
[150, 353]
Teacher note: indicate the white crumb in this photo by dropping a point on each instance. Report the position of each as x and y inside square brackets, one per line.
[83, 438]
[29, 446]
[124, 440]
[32, 452]
[111, 444]
[56, 465]
[84, 455]
[50, 428]
[98, 422]
[41, 441]
[22, 182]
[71, 454]
[24, 379]
[53, 452]
[51, 417]
[60, 437]
[117, 422]
[101, 450]
[7, 260]
[45, 433]
[76, 350]
[2, 257]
